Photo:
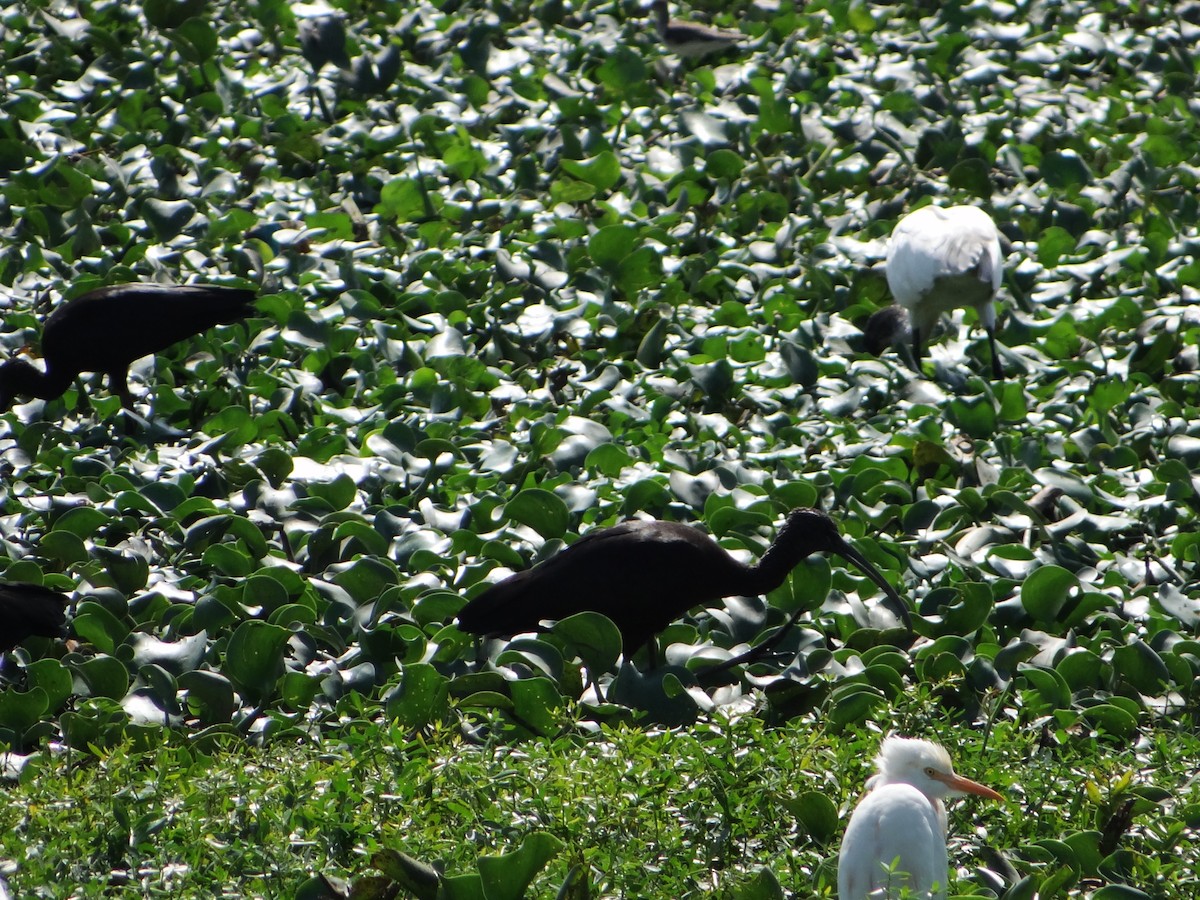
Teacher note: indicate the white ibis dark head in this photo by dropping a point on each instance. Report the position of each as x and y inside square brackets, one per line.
[941, 259]
[896, 839]
[107, 329]
[689, 39]
[644, 574]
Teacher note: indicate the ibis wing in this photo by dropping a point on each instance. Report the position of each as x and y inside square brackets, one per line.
[642, 575]
[29, 609]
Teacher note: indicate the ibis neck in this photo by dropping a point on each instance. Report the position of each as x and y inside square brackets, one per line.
[781, 557]
[19, 377]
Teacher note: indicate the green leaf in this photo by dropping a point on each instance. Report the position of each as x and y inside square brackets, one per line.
[623, 71]
[1119, 892]
[254, 659]
[507, 877]
[210, 696]
[412, 875]
[593, 637]
[602, 171]
[817, 813]
[195, 40]
[405, 200]
[168, 218]
[1046, 591]
[611, 244]
[540, 510]
[420, 697]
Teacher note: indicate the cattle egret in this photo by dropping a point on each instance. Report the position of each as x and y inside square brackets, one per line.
[940, 259]
[645, 574]
[896, 839]
[107, 329]
[688, 39]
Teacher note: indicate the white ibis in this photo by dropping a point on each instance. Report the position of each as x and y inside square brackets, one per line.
[896, 839]
[644, 574]
[107, 329]
[940, 259]
[689, 39]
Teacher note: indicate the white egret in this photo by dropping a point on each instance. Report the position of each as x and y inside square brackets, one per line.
[689, 39]
[896, 839]
[940, 259]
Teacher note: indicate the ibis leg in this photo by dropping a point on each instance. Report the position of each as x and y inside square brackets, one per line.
[997, 373]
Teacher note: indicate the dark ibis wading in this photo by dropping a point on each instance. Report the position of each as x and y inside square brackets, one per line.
[107, 329]
[27, 610]
[645, 574]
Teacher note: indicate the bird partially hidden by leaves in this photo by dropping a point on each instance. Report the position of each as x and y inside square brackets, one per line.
[105, 330]
[27, 610]
[895, 844]
[690, 40]
[939, 259]
[644, 574]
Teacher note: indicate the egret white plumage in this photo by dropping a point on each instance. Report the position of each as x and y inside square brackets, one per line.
[896, 839]
[940, 259]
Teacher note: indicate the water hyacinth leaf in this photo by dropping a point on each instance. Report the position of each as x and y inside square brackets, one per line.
[658, 694]
[254, 659]
[623, 71]
[210, 696]
[540, 510]
[420, 697]
[21, 710]
[103, 676]
[1111, 719]
[83, 521]
[593, 637]
[411, 874]
[974, 415]
[611, 244]
[366, 578]
[508, 876]
[195, 40]
[95, 624]
[763, 885]
[468, 886]
[168, 218]
[805, 587]
[1046, 591]
[52, 677]
[64, 546]
[816, 812]
[1119, 892]
[1050, 690]
[1139, 666]
[601, 171]
[176, 657]
[851, 704]
[172, 13]
[405, 200]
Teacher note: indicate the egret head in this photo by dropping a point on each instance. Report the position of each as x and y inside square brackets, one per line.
[924, 765]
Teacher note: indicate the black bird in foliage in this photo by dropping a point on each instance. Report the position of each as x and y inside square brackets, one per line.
[107, 329]
[645, 574]
[29, 609]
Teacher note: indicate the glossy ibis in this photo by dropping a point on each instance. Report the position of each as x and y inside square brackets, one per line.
[940, 259]
[107, 329]
[29, 609]
[645, 574]
[896, 839]
[688, 39]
